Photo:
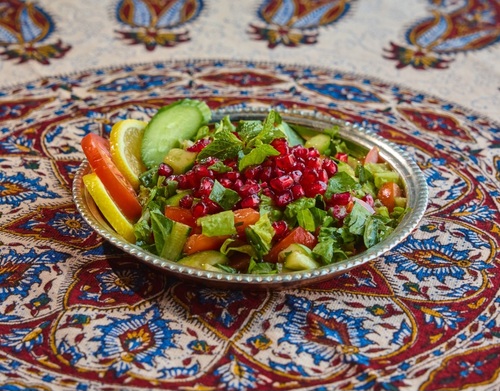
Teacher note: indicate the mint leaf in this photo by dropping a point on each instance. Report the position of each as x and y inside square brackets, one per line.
[270, 131]
[226, 198]
[340, 183]
[247, 130]
[356, 220]
[220, 167]
[224, 145]
[257, 155]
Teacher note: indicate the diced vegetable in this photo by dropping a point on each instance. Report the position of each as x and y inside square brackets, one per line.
[199, 242]
[169, 126]
[204, 260]
[298, 235]
[388, 193]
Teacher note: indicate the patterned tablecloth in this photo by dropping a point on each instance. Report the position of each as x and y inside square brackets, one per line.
[78, 314]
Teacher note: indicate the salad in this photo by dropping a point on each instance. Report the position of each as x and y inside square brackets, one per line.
[249, 196]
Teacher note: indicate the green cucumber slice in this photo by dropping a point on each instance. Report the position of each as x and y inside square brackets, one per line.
[169, 126]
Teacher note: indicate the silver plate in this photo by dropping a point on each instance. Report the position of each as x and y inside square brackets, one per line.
[414, 184]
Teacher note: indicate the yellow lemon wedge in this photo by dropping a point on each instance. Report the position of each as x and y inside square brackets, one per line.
[125, 144]
[108, 208]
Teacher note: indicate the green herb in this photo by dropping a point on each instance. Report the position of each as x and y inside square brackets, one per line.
[257, 155]
[162, 227]
[375, 231]
[356, 220]
[261, 235]
[218, 224]
[262, 267]
[225, 145]
[247, 130]
[226, 198]
[220, 167]
[340, 183]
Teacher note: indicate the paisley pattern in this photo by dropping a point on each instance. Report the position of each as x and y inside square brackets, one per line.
[295, 22]
[156, 22]
[76, 313]
[24, 27]
[452, 27]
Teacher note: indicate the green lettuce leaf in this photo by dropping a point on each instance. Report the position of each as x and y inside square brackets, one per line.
[221, 223]
[224, 197]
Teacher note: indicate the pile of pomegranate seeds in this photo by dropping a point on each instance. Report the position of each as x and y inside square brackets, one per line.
[296, 172]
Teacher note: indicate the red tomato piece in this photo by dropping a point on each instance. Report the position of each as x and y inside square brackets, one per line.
[388, 193]
[96, 149]
[199, 242]
[245, 217]
[298, 235]
[180, 215]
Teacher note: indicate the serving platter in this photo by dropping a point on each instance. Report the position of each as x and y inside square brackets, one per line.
[415, 188]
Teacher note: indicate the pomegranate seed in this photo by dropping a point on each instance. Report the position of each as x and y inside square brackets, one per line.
[341, 198]
[283, 199]
[226, 182]
[183, 182]
[280, 228]
[286, 162]
[252, 172]
[322, 175]
[313, 163]
[232, 175]
[299, 151]
[278, 172]
[312, 152]
[250, 187]
[341, 156]
[209, 161]
[330, 167]
[230, 163]
[268, 192]
[199, 145]
[282, 183]
[298, 192]
[315, 189]
[252, 201]
[165, 170]
[212, 206]
[281, 146]
[309, 177]
[238, 183]
[206, 186]
[202, 171]
[296, 175]
[186, 202]
[199, 209]
[368, 199]
[266, 174]
[338, 211]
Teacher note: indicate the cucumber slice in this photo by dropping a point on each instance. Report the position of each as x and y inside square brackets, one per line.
[169, 126]
[204, 259]
[321, 142]
[176, 241]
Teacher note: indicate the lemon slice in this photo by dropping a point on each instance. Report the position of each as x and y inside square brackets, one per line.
[108, 208]
[125, 144]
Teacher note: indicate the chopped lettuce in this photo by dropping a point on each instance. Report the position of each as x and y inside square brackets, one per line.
[218, 224]
[224, 197]
[261, 235]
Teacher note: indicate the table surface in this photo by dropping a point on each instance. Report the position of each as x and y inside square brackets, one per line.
[76, 313]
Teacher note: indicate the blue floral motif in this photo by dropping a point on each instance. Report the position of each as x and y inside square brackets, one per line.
[474, 213]
[402, 334]
[17, 189]
[235, 375]
[221, 299]
[343, 92]
[331, 332]
[442, 317]
[19, 272]
[18, 144]
[69, 351]
[125, 281]
[24, 339]
[67, 224]
[427, 258]
[135, 341]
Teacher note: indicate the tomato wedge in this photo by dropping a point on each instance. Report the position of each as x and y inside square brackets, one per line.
[96, 149]
[243, 218]
[181, 215]
[388, 193]
[199, 242]
[298, 235]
